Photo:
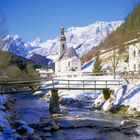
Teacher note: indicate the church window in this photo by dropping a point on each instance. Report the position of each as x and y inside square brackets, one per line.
[63, 46]
[68, 63]
[134, 67]
[139, 53]
[134, 53]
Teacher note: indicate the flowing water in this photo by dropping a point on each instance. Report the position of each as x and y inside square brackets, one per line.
[75, 123]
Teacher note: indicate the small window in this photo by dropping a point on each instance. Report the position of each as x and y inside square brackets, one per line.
[134, 54]
[68, 63]
[63, 46]
[134, 67]
[76, 68]
[139, 52]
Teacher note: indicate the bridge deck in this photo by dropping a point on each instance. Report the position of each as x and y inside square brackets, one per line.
[57, 84]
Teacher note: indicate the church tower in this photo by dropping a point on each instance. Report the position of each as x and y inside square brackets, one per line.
[62, 40]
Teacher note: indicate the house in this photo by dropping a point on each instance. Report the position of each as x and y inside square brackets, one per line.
[45, 73]
[108, 70]
[134, 55]
[68, 63]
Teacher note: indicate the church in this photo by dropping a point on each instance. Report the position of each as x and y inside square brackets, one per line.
[68, 63]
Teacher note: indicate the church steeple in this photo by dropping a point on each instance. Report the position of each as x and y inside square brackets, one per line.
[62, 40]
[62, 30]
[62, 37]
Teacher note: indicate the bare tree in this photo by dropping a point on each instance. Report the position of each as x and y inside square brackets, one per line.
[3, 33]
[3, 29]
[114, 58]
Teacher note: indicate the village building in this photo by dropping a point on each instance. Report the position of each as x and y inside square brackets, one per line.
[68, 63]
[131, 63]
[45, 73]
[134, 56]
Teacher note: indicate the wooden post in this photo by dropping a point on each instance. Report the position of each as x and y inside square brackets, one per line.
[106, 93]
[54, 102]
[83, 86]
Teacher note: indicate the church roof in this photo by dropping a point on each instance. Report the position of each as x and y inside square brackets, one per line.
[70, 53]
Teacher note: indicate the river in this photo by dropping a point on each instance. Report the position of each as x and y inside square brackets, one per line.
[75, 123]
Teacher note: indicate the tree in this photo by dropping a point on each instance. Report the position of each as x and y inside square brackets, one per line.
[3, 30]
[14, 71]
[97, 66]
[31, 71]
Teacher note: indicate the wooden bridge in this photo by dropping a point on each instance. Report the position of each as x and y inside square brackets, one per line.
[56, 84]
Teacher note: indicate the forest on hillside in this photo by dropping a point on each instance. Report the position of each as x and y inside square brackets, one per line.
[12, 67]
[129, 30]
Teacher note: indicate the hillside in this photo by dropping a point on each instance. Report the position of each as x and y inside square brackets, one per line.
[127, 31]
[13, 67]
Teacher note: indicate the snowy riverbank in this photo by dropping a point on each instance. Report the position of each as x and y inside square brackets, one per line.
[6, 131]
[125, 98]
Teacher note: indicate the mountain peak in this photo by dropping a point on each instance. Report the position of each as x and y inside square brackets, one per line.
[83, 39]
[36, 42]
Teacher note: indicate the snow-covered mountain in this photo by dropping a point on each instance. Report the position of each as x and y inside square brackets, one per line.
[16, 45]
[83, 39]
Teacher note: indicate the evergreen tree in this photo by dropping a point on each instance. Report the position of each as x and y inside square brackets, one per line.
[97, 66]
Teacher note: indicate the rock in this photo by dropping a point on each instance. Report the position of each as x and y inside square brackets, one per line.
[128, 124]
[19, 123]
[34, 137]
[57, 115]
[24, 129]
[133, 111]
[47, 134]
[1, 129]
[71, 102]
[47, 128]
[100, 138]
[64, 111]
[55, 126]
[98, 103]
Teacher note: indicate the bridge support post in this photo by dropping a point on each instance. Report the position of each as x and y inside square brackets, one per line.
[54, 102]
[107, 93]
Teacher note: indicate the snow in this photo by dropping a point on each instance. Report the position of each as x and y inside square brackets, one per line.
[8, 133]
[78, 98]
[83, 39]
[87, 67]
[131, 96]
[127, 95]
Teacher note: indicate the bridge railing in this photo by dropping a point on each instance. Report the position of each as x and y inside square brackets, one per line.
[81, 84]
[59, 84]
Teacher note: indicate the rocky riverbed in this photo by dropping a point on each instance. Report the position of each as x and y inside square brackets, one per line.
[34, 122]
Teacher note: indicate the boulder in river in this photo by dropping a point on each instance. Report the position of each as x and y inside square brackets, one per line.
[128, 124]
[24, 129]
[19, 123]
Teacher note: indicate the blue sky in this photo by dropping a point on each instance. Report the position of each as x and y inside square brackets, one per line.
[43, 18]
